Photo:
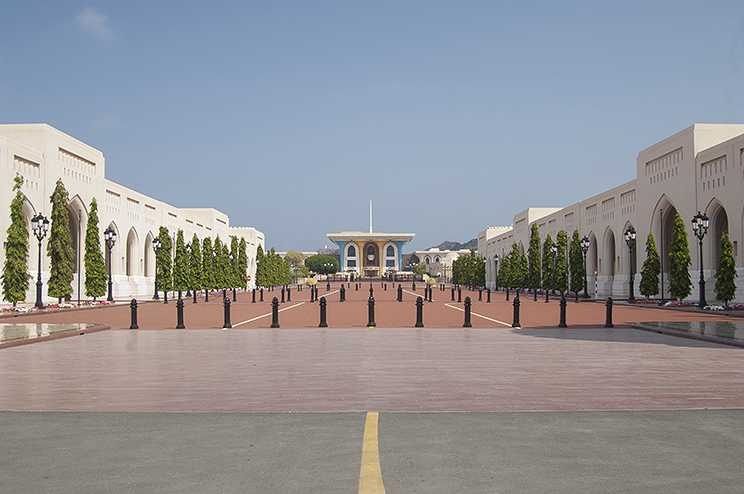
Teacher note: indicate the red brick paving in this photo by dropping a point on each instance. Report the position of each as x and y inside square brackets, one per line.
[348, 367]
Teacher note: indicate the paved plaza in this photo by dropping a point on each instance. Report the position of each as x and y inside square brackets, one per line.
[484, 409]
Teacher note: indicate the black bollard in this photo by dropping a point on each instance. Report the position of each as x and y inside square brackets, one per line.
[282, 294]
[384, 287]
[323, 323]
[179, 310]
[459, 294]
[289, 294]
[133, 306]
[453, 294]
[227, 324]
[608, 319]
[488, 292]
[253, 301]
[356, 287]
[206, 294]
[535, 298]
[274, 313]
[547, 296]
[562, 322]
[507, 293]
[165, 297]
[371, 291]
[414, 285]
[467, 314]
[261, 294]
[371, 304]
[235, 299]
[516, 304]
[343, 293]
[419, 313]
[400, 293]
[328, 286]
[480, 295]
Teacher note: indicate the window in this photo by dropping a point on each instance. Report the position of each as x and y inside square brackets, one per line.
[351, 263]
[390, 251]
[352, 251]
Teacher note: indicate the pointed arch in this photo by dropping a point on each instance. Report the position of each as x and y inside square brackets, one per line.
[149, 256]
[133, 260]
[78, 216]
[114, 254]
[607, 265]
[719, 224]
[592, 264]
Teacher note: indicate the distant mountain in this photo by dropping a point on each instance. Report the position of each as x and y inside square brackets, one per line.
[447, 245]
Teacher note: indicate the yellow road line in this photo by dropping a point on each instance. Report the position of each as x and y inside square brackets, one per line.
[370, 476]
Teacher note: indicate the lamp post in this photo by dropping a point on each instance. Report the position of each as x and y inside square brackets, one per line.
[554, 251]
[630, 239]
[40, 227]
[156, 247]
[110, 236]
[584, 249]
[661, 252]
[700, 228]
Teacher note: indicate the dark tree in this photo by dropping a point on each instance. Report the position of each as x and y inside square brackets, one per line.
[547, 263]
[726, 272]
[208, 281]
[680, 285]
[180, 265]
[95, 265]
[576, 258]
[561, 263]
[651, 269]
[195, 265]
[163, 260]
[534, 258]
[15, 268]
[59, 247]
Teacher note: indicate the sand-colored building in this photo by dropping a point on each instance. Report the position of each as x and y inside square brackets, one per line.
[43, 154]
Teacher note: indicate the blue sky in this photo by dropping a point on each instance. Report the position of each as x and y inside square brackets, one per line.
[450, 116]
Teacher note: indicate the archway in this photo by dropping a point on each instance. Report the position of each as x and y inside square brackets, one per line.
[132, 254]
[371, 260]
[718, 226]
[391, 257]
[77, 216]
[607, 261]
[149, 256]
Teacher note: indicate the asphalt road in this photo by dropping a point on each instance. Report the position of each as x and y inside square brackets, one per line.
[691, 451]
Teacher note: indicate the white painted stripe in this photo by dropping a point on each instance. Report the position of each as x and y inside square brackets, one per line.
[478, 315]
[266, 315]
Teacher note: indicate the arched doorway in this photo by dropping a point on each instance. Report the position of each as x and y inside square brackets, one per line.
[149, 256]
[132, 257]
[371, 260]
[719, 225]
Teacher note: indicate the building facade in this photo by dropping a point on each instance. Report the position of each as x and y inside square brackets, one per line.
[372, 255]
[698, 169]
[43, 154]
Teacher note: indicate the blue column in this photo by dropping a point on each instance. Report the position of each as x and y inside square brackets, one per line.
[400, 244]
[342, 245]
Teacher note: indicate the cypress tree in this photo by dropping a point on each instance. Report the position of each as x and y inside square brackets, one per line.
[195, 265]
[516, 274]
[523, 271]
[726, 272]
[95, 265]
[651, 269]
[208, 282]
[576, 257]
[260, 267]
[480, 271]
[243, 264]
[227, 266]
[234, 263]
[59, 247]
[561, 263]
[180, 270]
[547, 264]
[680, 285]
[163, 261]
[504, 275]
[534, 258]
[15, 268]
[218, 264]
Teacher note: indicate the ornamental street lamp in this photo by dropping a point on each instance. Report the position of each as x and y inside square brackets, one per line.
[40, 227]
[700, 228]
[630, 239]
[554, 251]
[156, 247]
[110, 236]
[585, 248]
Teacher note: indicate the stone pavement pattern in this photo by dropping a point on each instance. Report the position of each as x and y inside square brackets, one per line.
[665, 441]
